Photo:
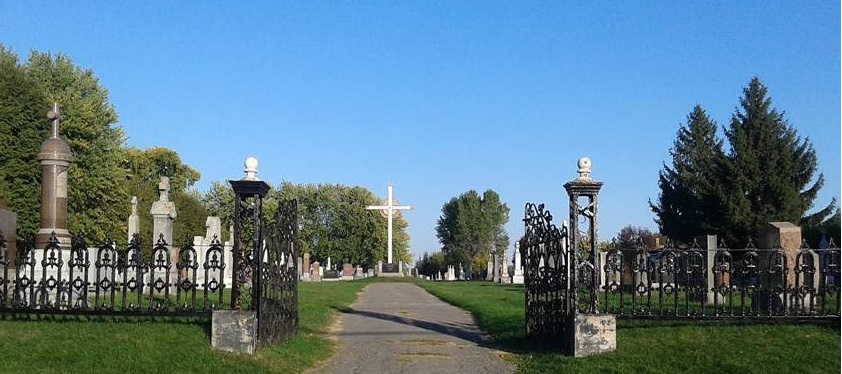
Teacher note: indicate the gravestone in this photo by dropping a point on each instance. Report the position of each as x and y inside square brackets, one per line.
[358, 273]
[213, 229]
[347, 271]
[315, 272]
[450, 275]
[489, 274]
[307, 271]
[9, 229]
[329, 265]
[390, 269]
[134, 220]
[504, 277]
[788, 236]
[234, 331]
[517, 278]
[163, 213]
[331, 275]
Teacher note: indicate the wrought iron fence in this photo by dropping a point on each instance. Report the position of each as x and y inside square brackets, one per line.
[107, 281]
[716, 283]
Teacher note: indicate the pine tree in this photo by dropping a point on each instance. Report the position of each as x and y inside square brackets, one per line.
[689, 203]
[770, 169]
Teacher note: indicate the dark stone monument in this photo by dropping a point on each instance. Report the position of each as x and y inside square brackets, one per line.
[55, 156]
[9, 229]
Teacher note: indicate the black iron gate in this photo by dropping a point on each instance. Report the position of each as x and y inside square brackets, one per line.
[545, 250]
[265, 275]
[277, 304]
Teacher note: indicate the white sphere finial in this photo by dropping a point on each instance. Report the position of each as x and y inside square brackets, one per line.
[251, 169]
[584, 165]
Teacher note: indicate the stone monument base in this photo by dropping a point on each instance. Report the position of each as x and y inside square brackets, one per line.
[593, 334]
[234, 331]
[390, 270]
[517, 279]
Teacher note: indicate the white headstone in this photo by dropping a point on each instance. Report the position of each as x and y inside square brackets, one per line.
[134, 220]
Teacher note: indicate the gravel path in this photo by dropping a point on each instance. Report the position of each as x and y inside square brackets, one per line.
[400, 328]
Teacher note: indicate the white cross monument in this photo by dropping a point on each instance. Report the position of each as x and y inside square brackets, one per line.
[390, 209]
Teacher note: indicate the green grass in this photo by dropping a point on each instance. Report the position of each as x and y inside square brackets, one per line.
[652, 347]
[70, 346]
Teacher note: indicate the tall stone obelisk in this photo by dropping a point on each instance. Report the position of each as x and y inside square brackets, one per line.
[55, 157]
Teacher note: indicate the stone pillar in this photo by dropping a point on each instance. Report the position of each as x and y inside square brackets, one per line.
[134, 221]
[591, 332]
[55, 157]
[489, 274]
[708, 246]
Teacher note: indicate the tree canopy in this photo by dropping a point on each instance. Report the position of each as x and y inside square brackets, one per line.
[769, 174]
[145, 169]
[104, 172]
[334, 223]
[23, 126]
[471, 228]
[96, 195]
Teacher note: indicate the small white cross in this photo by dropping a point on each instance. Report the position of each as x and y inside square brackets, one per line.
[390, 209]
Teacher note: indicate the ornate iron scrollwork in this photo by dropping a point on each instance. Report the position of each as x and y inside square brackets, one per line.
[544, 249]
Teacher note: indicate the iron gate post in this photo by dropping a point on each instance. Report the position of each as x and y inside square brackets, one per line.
[248, 206]
[589, 331]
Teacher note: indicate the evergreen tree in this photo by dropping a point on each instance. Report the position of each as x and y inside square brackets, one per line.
[690, 201]
[770, 169]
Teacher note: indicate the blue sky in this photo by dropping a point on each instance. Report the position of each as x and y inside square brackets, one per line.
[440, 97]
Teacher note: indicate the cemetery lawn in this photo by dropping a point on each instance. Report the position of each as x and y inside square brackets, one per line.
[72, 346]
[652, 347]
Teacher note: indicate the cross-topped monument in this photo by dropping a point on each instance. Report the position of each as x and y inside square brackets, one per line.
[390, 209]
[54, 157]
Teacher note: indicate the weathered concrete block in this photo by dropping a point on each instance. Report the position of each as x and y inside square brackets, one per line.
[234, 331]
[594, 334]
